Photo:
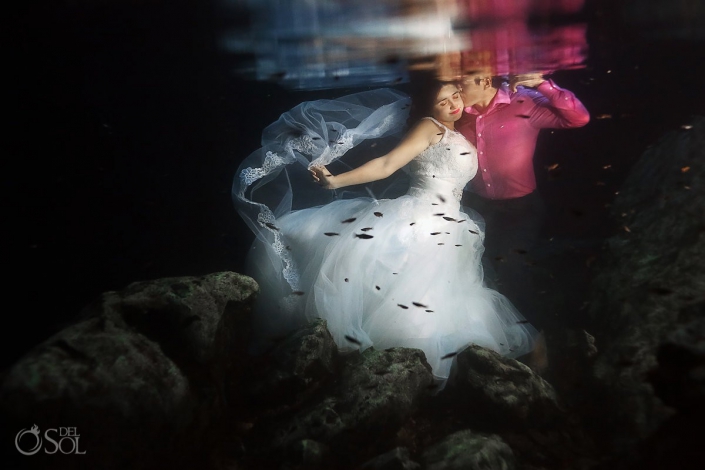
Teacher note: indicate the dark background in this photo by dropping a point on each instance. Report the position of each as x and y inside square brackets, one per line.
[127, 126]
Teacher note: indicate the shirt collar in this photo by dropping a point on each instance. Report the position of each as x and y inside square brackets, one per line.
[501, 97]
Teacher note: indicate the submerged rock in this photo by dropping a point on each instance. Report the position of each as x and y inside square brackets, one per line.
[295, 368]
[649, 280]
[395, 459]
[309, 454]
[502, 393]
[141, 375]
[467, 450]
[679, 381]
[375, 392]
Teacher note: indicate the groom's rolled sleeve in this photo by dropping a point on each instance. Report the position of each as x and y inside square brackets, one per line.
[558, 108]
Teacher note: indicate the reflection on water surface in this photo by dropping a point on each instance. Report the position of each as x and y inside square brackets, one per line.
[330, 44]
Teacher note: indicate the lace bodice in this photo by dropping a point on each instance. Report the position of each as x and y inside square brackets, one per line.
[443, 168]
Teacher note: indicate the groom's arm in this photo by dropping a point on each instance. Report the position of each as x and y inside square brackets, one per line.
[556, 107]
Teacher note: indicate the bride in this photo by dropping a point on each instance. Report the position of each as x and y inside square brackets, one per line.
[401, 272]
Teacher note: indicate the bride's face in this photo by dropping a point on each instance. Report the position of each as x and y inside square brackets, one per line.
[449, 104]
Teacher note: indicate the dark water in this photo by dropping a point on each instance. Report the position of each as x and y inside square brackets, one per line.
[126, 126]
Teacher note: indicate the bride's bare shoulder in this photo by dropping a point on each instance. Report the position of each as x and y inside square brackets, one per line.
[429, 130]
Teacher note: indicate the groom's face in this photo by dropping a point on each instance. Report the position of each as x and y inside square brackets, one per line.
[474, 88]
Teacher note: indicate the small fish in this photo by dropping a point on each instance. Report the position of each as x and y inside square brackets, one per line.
[465, 153]
[461, 221]
[449, 355]
[315, 138]
[347, 280]
[298, 292]
[395, 273]
[441, 198]
[353, 340]
[418, 304]
[374, 144]
[363, 236]
[685, 169]
[440, 133]
[626, 229]
[340, 143]
[379, 214]
[333, 130]
[440, 214]
[441, 243]
[435, 233]
[447, 148]
[412, 223]
[450, 219]
[499, 258]
[686, 126]
[522, 321]
[472, 231]
[377, 287]
[330, 234]
[430, 311]
[402, 306]
[606, 167]
[520, 101]
[347, 221]
[434, 203]
[523, 116]
[458, 245]
[287, 247]
[603, 116]
[552, 167]
[272, 226]
[366, 229]
[520, 251]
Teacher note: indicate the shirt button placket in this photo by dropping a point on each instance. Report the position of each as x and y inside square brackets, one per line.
[481, 154]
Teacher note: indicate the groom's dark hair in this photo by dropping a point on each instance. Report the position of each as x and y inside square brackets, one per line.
[497, 80]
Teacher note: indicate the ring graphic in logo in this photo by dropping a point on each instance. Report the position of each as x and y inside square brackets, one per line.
[35, 432]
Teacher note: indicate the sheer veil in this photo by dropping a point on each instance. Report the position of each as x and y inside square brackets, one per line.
[274, 180]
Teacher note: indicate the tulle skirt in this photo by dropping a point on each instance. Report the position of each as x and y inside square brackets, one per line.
[402, 272]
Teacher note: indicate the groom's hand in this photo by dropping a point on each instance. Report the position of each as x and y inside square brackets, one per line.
[530, 80]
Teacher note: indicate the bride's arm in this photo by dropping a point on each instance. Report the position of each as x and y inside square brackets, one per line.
[379, 168]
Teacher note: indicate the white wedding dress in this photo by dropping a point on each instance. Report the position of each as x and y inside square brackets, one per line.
[402, 272]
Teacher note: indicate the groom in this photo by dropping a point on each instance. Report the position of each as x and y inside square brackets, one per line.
[503, 121]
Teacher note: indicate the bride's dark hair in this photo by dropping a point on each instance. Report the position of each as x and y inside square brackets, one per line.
[424, 91]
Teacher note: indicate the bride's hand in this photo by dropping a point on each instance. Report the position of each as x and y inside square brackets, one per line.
[322, 176]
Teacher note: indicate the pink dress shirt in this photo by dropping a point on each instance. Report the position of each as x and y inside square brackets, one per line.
[505, 135]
